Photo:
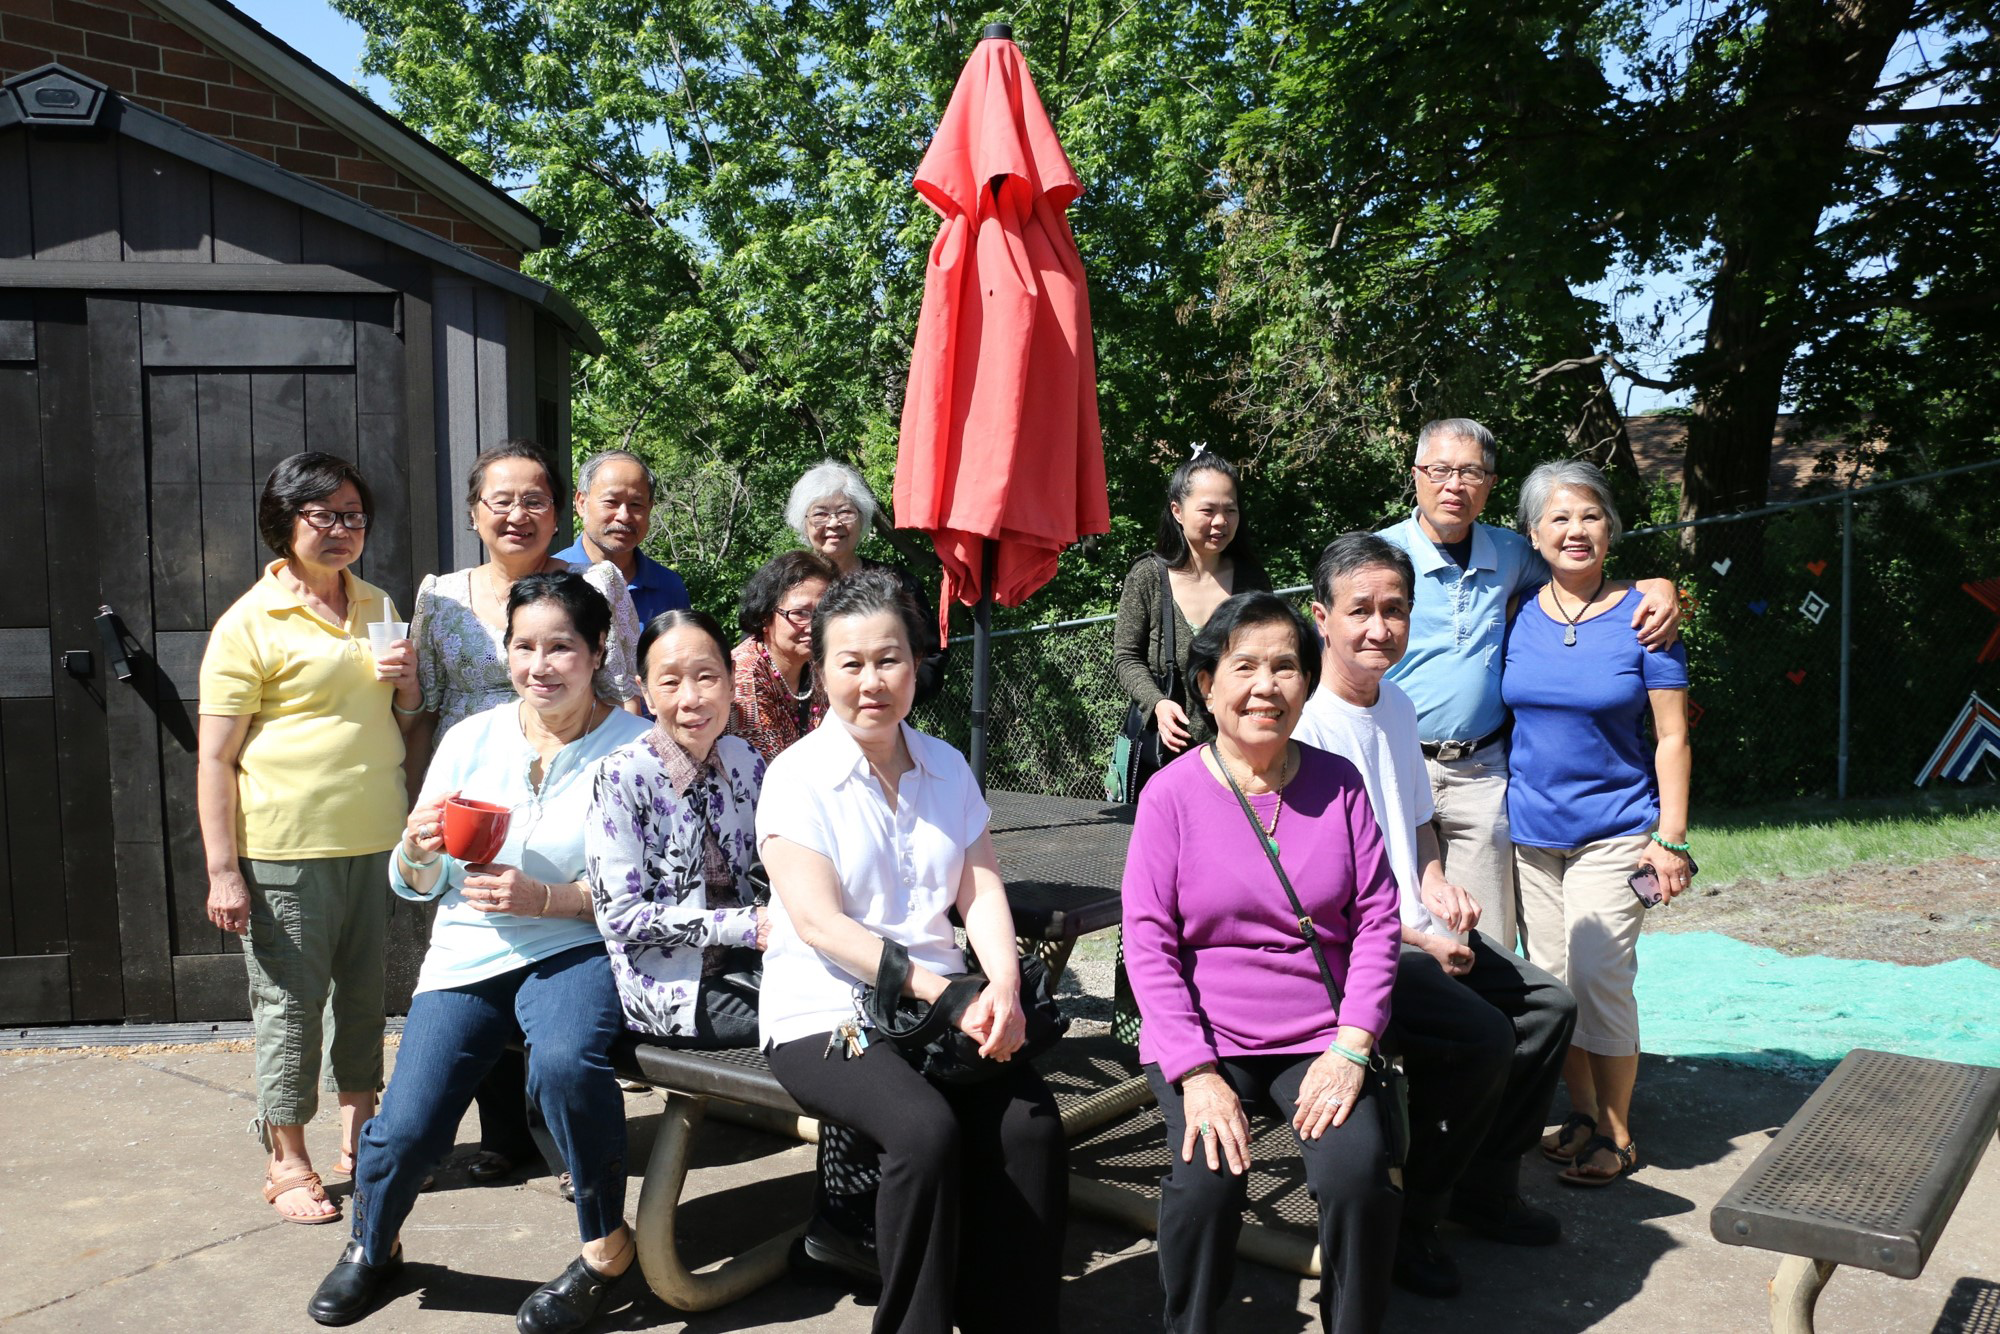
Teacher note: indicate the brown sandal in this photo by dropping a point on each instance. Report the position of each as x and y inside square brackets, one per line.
[303, 1179]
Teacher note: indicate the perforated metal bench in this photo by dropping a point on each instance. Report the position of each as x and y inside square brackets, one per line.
[1866, 1174]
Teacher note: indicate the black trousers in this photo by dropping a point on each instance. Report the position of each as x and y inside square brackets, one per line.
[1347, 1169]
[975, 1187]
[1484, 1053]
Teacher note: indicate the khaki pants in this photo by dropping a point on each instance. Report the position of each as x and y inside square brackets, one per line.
[1581, 921]
[1474, 841]
[314, 955]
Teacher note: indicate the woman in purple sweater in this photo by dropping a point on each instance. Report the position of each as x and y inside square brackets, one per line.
[1236, 1014]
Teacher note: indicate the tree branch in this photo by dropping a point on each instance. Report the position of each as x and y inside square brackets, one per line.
[1616, 367]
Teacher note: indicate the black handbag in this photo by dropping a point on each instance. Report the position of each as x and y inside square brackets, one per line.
[928, 1035]
[1138, 753]
[1390, 1085]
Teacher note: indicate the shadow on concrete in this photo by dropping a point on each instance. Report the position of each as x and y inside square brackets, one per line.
[1972, 1308]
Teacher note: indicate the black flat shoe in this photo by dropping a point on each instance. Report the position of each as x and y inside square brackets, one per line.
[566, 1302]
[1508, 1219]
[831, 1252]
[487, 1168]
[351, 1287]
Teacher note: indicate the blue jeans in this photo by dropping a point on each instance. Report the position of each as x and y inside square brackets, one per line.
[566, 1007]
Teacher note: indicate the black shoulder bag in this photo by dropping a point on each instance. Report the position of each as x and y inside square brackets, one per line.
[1138, 753]
[1391, 1086]
[928, 1035]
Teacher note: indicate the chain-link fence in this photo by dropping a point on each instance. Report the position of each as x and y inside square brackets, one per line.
[1833, 646]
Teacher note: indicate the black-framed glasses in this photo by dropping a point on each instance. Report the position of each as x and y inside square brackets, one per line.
[800, 617]
[1471, 474]
[327, 520]
[534, 504]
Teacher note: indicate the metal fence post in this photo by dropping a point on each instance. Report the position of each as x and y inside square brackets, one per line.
[1846, 633]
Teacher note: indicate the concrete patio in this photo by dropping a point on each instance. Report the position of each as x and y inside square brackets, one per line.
[128, 1200]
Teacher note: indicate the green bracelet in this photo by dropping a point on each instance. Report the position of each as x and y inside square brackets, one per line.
[404, 857]
[1681, 848]
[1353, 1056]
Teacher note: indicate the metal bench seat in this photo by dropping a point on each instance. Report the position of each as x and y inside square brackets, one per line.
[1866, 1174]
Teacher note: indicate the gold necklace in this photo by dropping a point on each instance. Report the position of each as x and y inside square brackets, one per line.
[1278, 811]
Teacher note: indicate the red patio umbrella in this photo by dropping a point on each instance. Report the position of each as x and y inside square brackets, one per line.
[1001, 459]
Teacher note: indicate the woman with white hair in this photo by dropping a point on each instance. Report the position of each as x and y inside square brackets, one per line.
[1598, 811]
[831, 509]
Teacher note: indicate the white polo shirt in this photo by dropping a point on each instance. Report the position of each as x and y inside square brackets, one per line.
[1381, 741]
[899, 870]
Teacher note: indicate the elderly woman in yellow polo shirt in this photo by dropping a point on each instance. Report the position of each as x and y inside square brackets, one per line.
[300, 788]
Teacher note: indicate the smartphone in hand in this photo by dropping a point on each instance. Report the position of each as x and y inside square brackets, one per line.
[1645, 883]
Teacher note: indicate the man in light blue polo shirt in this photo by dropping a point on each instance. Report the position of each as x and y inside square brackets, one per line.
[1470, 576]
[614, 503]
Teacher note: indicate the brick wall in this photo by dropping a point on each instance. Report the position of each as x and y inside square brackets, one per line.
[141, 55]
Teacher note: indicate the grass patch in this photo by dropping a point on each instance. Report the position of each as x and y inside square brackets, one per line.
[1809, 838]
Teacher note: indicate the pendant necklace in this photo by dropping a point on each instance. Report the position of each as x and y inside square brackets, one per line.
[1569, 634]
[1270, 832]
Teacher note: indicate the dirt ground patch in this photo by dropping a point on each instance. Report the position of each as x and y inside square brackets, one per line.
[1933, 912]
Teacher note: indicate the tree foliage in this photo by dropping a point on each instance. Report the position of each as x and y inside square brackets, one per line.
[1309, 225]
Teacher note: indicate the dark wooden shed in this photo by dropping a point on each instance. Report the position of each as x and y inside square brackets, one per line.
[176, 314]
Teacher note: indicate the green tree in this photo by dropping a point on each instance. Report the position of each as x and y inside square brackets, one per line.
[732, 181]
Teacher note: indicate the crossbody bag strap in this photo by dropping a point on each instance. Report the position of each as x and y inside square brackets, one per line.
[1167, 627]
[1307, 932]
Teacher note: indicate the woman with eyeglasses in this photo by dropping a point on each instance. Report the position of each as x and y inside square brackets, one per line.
[298, 785]
[778, 699]
[459, 626]
[832, 509]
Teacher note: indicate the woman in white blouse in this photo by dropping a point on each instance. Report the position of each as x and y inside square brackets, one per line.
[871, 831]
[514, 952]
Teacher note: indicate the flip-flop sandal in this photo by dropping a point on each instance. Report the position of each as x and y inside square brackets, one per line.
[343, 1167]
[1578, 1174]
[302, 1179]
[1574, 1122]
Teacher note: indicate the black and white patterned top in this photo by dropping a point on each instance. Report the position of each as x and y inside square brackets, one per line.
[648, 853]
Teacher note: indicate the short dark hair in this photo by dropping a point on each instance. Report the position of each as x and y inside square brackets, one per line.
[1350, 553]
[866, 592]
[576, 595]
[1171, 545]
[775, 578]
[1240, 613]
[296, 482]
[674, 619]
[516, 448]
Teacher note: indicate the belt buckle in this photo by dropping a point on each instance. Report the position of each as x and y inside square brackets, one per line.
[1456, 750]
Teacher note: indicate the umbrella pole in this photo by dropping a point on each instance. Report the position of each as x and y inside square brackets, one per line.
[982, 659]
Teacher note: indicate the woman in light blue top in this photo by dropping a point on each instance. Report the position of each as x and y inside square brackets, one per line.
[514, 953]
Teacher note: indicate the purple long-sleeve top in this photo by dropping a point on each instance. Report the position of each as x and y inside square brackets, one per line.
[1212, 946]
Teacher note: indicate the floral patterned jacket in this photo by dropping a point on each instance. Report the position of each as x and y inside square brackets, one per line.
[649, 811]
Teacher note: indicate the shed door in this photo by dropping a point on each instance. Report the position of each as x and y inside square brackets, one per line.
[188, 404]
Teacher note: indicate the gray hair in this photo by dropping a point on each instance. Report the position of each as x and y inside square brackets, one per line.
[1351, 553]
[829, 478]
[1566, 475]
[588, 472]
[1460, 428]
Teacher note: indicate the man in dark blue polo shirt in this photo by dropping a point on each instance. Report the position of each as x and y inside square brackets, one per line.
[614, 503]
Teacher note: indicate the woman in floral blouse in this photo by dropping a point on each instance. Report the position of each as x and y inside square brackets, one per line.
[777, 699]
[668, 846]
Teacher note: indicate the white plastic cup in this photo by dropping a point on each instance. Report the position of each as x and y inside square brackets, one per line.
[381, 634]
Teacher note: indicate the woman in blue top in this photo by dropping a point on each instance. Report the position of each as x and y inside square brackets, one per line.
[1591, 800]
[515, 952]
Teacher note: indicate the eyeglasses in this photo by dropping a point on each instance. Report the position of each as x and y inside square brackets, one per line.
[327, 520]
[845, 514]
[800, 617]
[1471, 474]
[533, 504]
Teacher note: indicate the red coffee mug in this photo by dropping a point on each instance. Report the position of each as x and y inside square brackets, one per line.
[474, 830]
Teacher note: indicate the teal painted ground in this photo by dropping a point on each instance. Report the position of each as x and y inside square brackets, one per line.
[1702, 994]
